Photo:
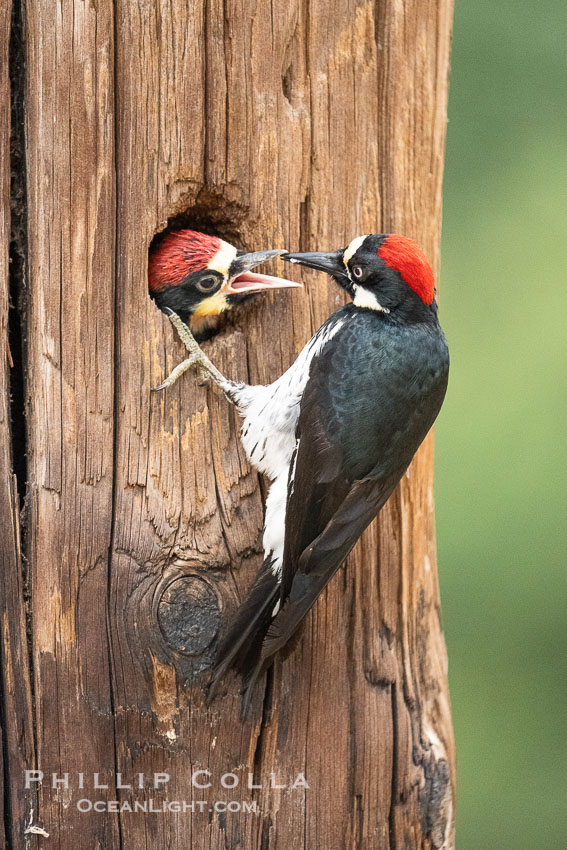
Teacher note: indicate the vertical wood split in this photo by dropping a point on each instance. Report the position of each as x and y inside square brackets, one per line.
[300, 125]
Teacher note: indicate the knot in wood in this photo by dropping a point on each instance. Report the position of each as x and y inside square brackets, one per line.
[189, 615]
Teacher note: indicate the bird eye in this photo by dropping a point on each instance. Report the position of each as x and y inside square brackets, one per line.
[357, 271]
[207, 283]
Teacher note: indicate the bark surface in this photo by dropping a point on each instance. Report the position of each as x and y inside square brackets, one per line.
[302, 125]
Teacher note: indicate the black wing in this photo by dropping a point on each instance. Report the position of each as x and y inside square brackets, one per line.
[350, 457]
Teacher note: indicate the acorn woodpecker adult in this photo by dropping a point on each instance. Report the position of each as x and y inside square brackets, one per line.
[200, 277]
[336, 433]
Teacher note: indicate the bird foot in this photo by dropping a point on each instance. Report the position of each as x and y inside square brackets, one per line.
[179, 370]
[184, 333]
[197, 357]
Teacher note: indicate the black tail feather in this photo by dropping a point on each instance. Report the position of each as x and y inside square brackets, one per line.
[320, 560]
[241, 648]
[250, 680]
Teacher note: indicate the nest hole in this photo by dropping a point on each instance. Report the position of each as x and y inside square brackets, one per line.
[211, 214]
[214, 215]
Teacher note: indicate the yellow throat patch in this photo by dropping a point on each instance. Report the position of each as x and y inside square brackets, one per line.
[212, 306]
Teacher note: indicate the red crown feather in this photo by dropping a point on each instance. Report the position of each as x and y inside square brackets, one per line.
[179, 254]
[407, 258]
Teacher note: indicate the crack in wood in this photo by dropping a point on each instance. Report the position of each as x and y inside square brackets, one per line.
[395, 756]
[18, 252]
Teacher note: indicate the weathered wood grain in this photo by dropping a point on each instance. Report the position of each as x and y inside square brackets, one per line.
[298, 125]
[70, 403]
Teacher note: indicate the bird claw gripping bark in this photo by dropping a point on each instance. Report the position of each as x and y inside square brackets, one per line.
[197, 358]
[180, 370]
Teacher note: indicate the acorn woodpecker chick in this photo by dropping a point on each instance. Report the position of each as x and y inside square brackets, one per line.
[199, 277]
[335, 434]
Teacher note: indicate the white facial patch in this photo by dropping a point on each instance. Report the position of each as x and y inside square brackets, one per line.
[364, 298]
[222, 260]
[352, 248]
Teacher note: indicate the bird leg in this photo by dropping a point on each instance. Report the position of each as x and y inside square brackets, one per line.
[198, 358]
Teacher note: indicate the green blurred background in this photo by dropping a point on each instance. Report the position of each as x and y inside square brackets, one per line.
[501, 439]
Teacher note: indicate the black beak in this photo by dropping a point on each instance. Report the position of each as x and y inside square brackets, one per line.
[331, 262]
[244, 262]
[241, 281]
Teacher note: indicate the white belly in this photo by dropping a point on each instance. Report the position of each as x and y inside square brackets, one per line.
[268, 434]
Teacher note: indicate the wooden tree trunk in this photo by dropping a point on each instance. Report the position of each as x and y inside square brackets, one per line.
[301, 124]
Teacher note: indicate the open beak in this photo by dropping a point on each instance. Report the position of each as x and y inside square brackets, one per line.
[242, 281]
[330, 262]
